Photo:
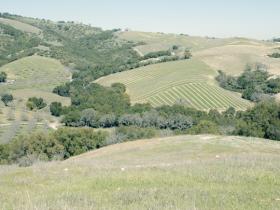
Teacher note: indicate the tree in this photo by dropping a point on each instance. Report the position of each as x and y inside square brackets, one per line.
[108, 120]
[119, 87]
[90, 118]
[56, 109]
[35, 103]
[3, 77]
[7, 98]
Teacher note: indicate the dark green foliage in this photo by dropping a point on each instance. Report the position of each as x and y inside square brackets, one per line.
[102, 99]
[60, 144]
[254, 85]
[41, 145]
[157, 54]
[273, 86]
[205, 127]
[175, 47]
[4, 153]
[119, 87]
[35, 103]
[7, 98]
[132, 133]
[276, 39]
[261, 121]
[72, 118]
[62, 90]
[274, 55]
[56, 109]
[78, 141]
[15, 44]
[90, 118]
[3, 77]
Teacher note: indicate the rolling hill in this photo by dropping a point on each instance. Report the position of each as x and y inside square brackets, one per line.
[188, 82]
[182, 172]
[21, 26]
[33, 76]
[230, 55]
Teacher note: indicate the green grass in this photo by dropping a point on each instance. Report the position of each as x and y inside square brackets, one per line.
[20, 26]
[184, 172]
[35, 72]
[189, 82]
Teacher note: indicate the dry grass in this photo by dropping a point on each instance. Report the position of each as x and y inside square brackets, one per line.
[234, 58]
[21, 26]
[184, 172]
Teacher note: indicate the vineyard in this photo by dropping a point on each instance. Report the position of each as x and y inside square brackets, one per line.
[190, 83]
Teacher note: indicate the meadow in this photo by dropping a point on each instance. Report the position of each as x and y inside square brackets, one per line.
[183, 172]
[188, 82]
[33, 76]
[230, 55]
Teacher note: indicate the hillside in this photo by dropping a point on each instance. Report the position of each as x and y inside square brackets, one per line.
[230, 55]
[33, 76]
[189, 82]
[193, 172]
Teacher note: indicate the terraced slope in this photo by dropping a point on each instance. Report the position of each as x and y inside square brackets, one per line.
[182, 172]
[188, 82]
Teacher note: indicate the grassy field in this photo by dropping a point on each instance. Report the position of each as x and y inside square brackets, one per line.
[20, 26]
[230, 55]
[35, 72]
[234, 58]
[184, 172]
[159, 41]
[33, 76]
[188, 82]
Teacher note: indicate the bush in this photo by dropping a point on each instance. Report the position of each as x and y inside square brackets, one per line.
[133, 133]
[35, 103]
[61, 144]
[37, 144]
[156, 54]
[119, 87]
[62, 90]
[56, 109]
[7, 98]
[77, 141]
[204, 127]
[3, 77]
[274, 55]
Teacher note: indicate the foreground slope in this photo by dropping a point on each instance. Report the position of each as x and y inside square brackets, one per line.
[188, 82]
[183, 172]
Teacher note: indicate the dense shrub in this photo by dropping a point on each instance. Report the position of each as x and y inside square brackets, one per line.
[56, 109]
[3, 77]
[253, 84]
[62, 90]
[60, 144]
[157, 54]
[35, 103]
[78, 141]
[7, 98]
[132, 133]
[274, 55]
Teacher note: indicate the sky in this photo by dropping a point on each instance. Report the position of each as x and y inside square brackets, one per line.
[216, 18]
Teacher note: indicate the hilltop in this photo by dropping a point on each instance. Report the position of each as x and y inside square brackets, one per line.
[193, 172]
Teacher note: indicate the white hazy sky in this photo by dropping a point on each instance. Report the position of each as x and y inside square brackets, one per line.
[220, 18]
